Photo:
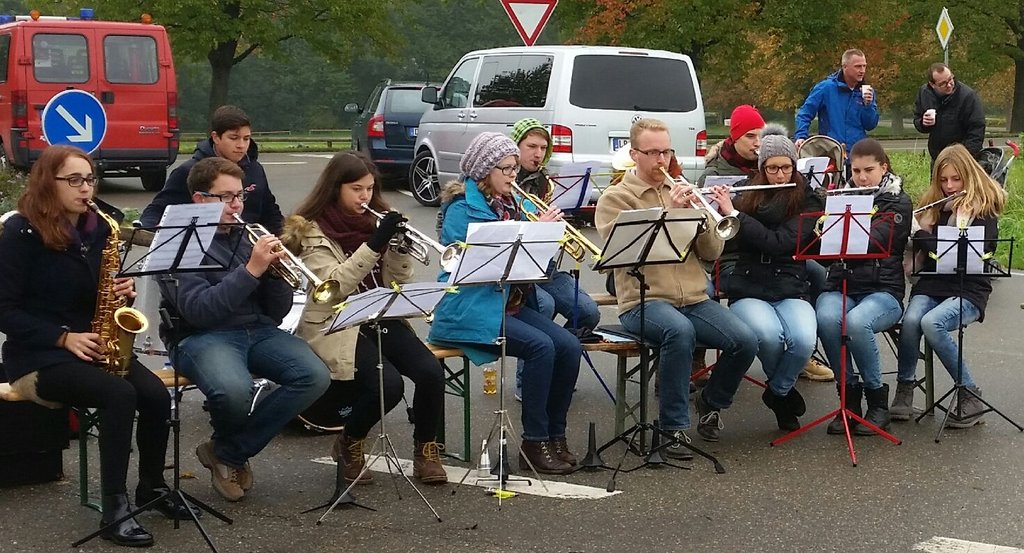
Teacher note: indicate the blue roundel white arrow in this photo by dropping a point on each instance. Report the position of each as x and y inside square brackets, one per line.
[75, 118]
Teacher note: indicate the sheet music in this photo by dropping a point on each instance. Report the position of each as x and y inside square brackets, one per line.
[633, 228]
[417, 299]
[489, 249]
[815, 166]
[574, 189]
[167, 241]
[857, 235]
[947, 250]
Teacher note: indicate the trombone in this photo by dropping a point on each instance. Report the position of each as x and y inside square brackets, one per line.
[574, 243]
[292, 270]
[726, 227]
[418, 245]
[937, 203]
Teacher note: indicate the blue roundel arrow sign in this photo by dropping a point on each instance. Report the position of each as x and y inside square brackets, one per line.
[75, 118]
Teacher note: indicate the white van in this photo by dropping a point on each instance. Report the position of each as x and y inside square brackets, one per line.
[587, 96]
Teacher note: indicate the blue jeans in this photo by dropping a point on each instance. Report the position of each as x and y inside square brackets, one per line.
[866, 315]
[222, 363]
[561, 293]
[935, 318]
[785, 331]
[551, 363]
[816, 276]
[676, 331]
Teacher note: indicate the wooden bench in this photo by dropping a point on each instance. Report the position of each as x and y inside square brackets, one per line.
[456, 383]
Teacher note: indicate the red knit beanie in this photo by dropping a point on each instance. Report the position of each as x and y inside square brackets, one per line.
[744, 119]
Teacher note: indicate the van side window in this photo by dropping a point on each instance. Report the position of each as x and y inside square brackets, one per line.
[130, 59]
[456, 91]
[513, 81]
[5, 56]
[60, 58]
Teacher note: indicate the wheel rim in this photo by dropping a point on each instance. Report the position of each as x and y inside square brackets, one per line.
[426, 179]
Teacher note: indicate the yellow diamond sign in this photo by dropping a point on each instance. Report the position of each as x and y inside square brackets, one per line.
[944, 28]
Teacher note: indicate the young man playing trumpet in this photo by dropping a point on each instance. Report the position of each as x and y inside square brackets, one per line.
[226, 330]
[678, 311]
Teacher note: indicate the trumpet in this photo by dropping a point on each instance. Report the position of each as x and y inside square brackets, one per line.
[574, 243]
[292, 270]
[937, 203]
[418, 245]
[726, 227]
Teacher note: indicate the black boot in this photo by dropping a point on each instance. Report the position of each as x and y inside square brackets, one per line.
[786, 408]
[170, 506]
[878, 410]
[854, 393]
[128, 532]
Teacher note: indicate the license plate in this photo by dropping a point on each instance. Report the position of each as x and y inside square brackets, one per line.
[618, 143]
[413, 131]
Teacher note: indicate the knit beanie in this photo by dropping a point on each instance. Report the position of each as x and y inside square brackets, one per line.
[744, 119]
[774, 142]
[527, 124]
[484, 152]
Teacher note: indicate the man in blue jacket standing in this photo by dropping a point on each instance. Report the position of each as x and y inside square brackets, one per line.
[845, 106]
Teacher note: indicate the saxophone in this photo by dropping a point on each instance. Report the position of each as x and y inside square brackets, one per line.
[115, 322]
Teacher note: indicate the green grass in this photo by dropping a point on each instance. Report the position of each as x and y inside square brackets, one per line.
[914, 168]
[11, 184]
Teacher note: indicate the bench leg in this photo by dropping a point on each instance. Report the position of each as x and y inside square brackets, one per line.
[457, 384]
[86, 422]
[929, 377]
[620, 394]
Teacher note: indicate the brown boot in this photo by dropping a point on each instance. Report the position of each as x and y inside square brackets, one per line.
[350, 452]
[426, 463]
[698, 367]
[542, 457]
[561, 448]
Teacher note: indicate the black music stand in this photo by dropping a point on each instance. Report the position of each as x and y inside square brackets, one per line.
[370, 308]
[845, 226]
[969, 260]
[639, 238]
[502, 254]
[182, 248]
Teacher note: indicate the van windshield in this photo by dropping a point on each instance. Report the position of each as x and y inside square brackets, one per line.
[632, 83]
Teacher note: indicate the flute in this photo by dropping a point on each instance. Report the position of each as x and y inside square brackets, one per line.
[949, 198]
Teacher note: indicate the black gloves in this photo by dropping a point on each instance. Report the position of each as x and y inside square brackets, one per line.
[390, 225]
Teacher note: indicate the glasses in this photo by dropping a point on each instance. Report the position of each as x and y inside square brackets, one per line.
[78, 180]
[226, 198]
[508, 170]
[946, 83]
[774, 169]
[658, 153]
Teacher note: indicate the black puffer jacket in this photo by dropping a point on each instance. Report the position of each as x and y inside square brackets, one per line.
[977, 288]
[959, 117]
[765, 268]
[881, 275]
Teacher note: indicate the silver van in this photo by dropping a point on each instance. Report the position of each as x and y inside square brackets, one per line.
[587, 96]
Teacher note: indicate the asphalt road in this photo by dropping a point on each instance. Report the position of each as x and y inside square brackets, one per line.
[802, 496]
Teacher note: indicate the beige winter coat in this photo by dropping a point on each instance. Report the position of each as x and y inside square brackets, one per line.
[326, 260]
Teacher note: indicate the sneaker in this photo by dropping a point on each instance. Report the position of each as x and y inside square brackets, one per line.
[816, 371]
[968, 411]
[245, 477]
[676, 450]
[903, 403]
[223, 477]
[709, 421]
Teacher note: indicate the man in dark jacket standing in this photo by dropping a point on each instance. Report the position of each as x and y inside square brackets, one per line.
[231, 139]
[949, 112]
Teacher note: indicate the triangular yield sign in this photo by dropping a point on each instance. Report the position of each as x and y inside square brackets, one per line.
[529, 17]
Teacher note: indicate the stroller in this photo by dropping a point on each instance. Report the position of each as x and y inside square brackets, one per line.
[997, 160]
[821, 145]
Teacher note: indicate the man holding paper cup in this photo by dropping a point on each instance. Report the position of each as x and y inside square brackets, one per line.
[949, 112]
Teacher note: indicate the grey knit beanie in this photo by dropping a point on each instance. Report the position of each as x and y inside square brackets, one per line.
[484, 152]
[774, 142]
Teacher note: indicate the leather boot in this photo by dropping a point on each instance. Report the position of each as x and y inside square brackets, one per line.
[561, 448]
[878, 410]
[426, 463]
[170, 506]
[128, 532]
[350, 452]
[542, 457]
[854, 394]
[786, 408]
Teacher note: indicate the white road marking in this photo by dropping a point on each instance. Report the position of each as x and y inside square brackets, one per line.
[322, 156]
[283, 162]
[558, 490]
[949, 545]
[405, 191]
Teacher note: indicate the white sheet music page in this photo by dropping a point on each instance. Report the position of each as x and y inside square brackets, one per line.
[947, 250]
[573, 190]
[857, 233]
[489, 246]
[816, 166]
[167, 241]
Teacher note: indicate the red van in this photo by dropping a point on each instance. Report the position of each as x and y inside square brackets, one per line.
[126, 66]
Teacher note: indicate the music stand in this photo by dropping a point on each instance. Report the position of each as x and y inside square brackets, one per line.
[372, 307]
[179, 245]
[845, 235]
[814, 169]
[505, 253]
[962, 257]
[639, 238]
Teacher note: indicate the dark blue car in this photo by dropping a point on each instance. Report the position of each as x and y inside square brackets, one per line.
[386, 126]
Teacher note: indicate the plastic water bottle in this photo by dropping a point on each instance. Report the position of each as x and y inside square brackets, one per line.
[484, 470]
[491, 379]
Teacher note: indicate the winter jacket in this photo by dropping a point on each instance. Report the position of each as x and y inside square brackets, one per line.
[326, 260]
[840, 111]
[260, 205]
[765, 268]
[716, 164]
[959, 118]
[679, 284]
[881, 275]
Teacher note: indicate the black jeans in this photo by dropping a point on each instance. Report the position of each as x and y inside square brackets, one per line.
[83, 385]
[404, 355]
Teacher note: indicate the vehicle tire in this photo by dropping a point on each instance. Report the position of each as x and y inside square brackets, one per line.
[153, 179]
[423, 181]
